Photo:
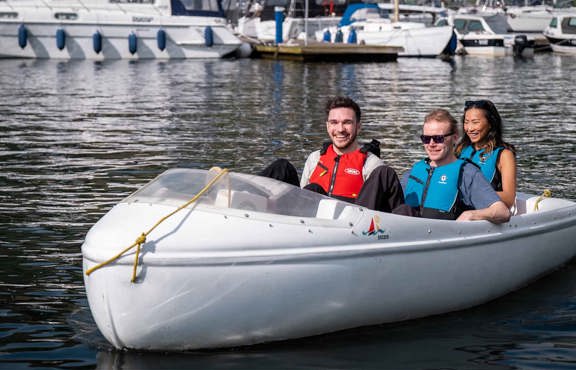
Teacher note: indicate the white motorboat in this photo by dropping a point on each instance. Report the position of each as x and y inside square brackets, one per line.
[561, 34]
[115, 29]
[365, 24]
[227, 259]
[487, 35]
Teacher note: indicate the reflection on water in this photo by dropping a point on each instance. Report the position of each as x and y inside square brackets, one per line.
[77, 137]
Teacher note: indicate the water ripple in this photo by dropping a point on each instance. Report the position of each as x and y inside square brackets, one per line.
[77, 137]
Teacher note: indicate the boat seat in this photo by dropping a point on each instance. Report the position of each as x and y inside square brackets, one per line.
[329, 209]
[546, 204]
[241, 200]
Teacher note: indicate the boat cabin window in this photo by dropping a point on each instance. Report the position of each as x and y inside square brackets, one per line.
[553, 22]
[8, 15]
[460, 25]
[475, 26]
[66, 16]
[569, 25]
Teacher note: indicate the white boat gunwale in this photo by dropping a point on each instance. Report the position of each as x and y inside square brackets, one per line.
[380, 248]
[468, 234]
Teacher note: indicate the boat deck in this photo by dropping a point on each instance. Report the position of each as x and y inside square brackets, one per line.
[327, 52]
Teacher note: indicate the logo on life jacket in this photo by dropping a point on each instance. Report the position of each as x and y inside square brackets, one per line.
[483, 156]
[352, 171]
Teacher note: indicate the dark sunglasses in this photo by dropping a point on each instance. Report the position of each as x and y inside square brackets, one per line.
[482, 104]
[438, 139]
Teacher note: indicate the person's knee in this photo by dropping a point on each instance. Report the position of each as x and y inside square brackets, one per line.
[315, 188]
[281, 169]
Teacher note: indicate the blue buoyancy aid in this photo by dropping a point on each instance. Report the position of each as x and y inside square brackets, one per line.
[434, 190]
[487, 162]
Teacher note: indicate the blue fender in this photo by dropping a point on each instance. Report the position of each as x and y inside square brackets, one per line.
[132, 43]
[161, 39]
[60, 38]
[352, 37]
[97, 42]
[209, 36]
[22, 36]
[339, 36]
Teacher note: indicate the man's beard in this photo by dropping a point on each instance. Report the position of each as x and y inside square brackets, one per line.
[347, 145]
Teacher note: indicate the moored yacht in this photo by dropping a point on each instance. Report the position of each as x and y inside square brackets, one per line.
[115, 29]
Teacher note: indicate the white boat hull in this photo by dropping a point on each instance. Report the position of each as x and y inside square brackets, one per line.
[226, 277]
[364, 24]
[566, 46]
[494, 46]
[186, 36]
[419, 41]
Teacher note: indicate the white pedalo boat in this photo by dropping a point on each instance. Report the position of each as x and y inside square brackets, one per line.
[229, 259]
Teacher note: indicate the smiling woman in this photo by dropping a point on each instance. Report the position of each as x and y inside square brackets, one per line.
[483, 145]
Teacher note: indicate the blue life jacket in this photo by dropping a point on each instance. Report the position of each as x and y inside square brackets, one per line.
[434, 190]
[487, 162]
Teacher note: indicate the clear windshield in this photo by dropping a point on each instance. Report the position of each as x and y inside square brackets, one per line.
[234, 190]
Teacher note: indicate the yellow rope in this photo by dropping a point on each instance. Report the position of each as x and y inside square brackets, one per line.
[142, 238]
[545, 194]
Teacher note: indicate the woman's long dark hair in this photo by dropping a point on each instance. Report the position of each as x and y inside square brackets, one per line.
[494, 137]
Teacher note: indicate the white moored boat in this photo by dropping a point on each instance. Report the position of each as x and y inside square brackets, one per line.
[522, 17]
[114, 29]
[561, 33]
[487, 35]
[366, 24]
[233, 259]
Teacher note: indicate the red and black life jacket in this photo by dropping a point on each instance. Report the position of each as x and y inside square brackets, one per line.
[340, 175]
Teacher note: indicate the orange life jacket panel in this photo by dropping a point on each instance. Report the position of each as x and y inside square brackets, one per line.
[340, 175]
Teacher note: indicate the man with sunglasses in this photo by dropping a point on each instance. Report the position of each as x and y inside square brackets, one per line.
[445, 187]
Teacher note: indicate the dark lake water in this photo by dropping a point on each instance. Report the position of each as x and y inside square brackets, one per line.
[77, 137]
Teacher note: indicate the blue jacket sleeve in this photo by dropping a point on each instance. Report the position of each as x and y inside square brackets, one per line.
[475, 190]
